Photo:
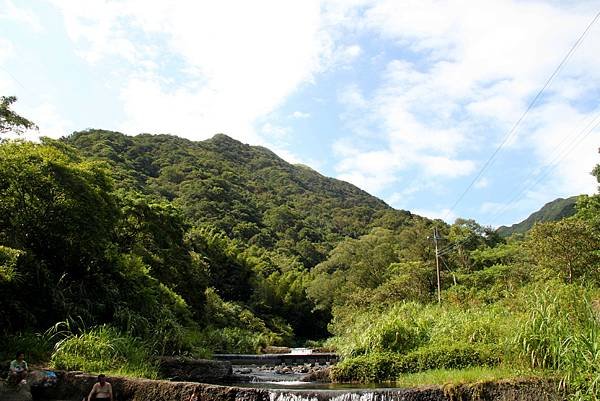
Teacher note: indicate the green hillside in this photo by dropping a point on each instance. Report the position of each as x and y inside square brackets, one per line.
[552, 211]
[248, 192]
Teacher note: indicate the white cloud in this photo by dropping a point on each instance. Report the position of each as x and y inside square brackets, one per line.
[300, 115]
[275, 131]
[13, 13]
[239, 60]
[443, 214]
[482, 182]
[475, 68]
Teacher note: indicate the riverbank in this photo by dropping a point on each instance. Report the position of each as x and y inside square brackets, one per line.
[74, 385]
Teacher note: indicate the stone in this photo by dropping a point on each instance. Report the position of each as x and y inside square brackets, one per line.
[73, 387]
[317, 375]
[194, 370]
[20, 392]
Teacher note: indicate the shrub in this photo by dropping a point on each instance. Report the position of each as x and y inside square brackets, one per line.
[455, 356]
[37, 347]
[375, 367]
[380, 367]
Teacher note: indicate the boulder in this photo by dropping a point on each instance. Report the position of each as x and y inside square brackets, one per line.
[320, 375]
[194, 370]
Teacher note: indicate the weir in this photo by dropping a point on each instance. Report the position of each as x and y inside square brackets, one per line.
[278, 359]
[74, 385]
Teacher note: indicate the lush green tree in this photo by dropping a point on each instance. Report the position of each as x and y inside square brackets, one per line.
[11, 122]
[567, 248]
[47, 193]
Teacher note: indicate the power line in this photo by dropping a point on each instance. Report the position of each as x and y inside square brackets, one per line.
[553, 164]
[588, 129]
[511, 132]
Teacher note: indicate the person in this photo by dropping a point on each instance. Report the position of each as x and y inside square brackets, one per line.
[194, 396]
[101, 390]
[18, 369]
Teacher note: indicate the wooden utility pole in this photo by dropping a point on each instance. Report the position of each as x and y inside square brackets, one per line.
[437, 266]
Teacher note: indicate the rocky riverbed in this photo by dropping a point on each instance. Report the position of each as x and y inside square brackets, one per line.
[307, 372]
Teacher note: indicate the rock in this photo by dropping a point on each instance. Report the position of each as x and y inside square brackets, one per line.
[75, 386]
[21, 392]
[276, 350]
[321, 375]
[196, 370]
[245, 371]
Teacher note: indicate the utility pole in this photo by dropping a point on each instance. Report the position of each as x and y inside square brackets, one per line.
[437, 265]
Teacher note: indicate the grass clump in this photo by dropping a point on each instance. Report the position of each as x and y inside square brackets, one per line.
[465, 376]
[561, 332]
[104, 349]
[383, 367]
[38, 347]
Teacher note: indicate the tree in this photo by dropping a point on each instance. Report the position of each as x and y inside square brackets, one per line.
[568, 247]
[11, 121]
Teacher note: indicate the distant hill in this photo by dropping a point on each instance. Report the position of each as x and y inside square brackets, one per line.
[246, 191]
[552, 211]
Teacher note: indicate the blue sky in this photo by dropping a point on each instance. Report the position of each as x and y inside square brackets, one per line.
[405, 99]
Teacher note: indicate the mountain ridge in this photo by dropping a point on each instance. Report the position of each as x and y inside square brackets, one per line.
[552, 211]
[246, 191]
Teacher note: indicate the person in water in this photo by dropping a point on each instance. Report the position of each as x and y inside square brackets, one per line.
[101, 391]
[18, 369]
[194, 396]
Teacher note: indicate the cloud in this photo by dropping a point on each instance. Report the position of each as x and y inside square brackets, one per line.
[482, 182]
[206, 67]
[464, 75]
[300, 115]
[275, 131]
[13, 13]
[443, 214]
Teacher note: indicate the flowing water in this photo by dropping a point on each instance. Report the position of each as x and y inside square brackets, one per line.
[288, 387]
[338, 395]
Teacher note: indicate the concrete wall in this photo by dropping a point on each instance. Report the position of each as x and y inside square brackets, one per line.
[74, 386]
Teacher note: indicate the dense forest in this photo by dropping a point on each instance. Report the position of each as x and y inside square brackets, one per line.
[115, 249]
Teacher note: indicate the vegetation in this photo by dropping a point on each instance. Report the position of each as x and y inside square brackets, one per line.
[556, 210]
[11, 122]
[155, 245]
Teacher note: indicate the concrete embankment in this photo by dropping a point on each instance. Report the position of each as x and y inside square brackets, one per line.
[278, 359]
[73, 386]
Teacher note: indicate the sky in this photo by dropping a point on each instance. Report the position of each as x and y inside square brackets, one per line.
[408, 100]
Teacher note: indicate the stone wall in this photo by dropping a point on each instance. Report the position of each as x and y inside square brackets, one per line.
[74, 386]
[195, 370]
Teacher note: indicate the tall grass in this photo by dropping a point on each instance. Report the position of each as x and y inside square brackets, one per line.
[408, 326]
[104, 349]
[37, 347]
[562, 332]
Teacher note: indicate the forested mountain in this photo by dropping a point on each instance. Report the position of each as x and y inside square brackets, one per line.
[248, 192]
[209, 244]
[552, 211]
[115, 250]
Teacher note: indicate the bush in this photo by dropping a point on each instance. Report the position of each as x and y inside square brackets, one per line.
[375, 367]
[381, 367]
[455, 356]
[235, 340]
[37, 347]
